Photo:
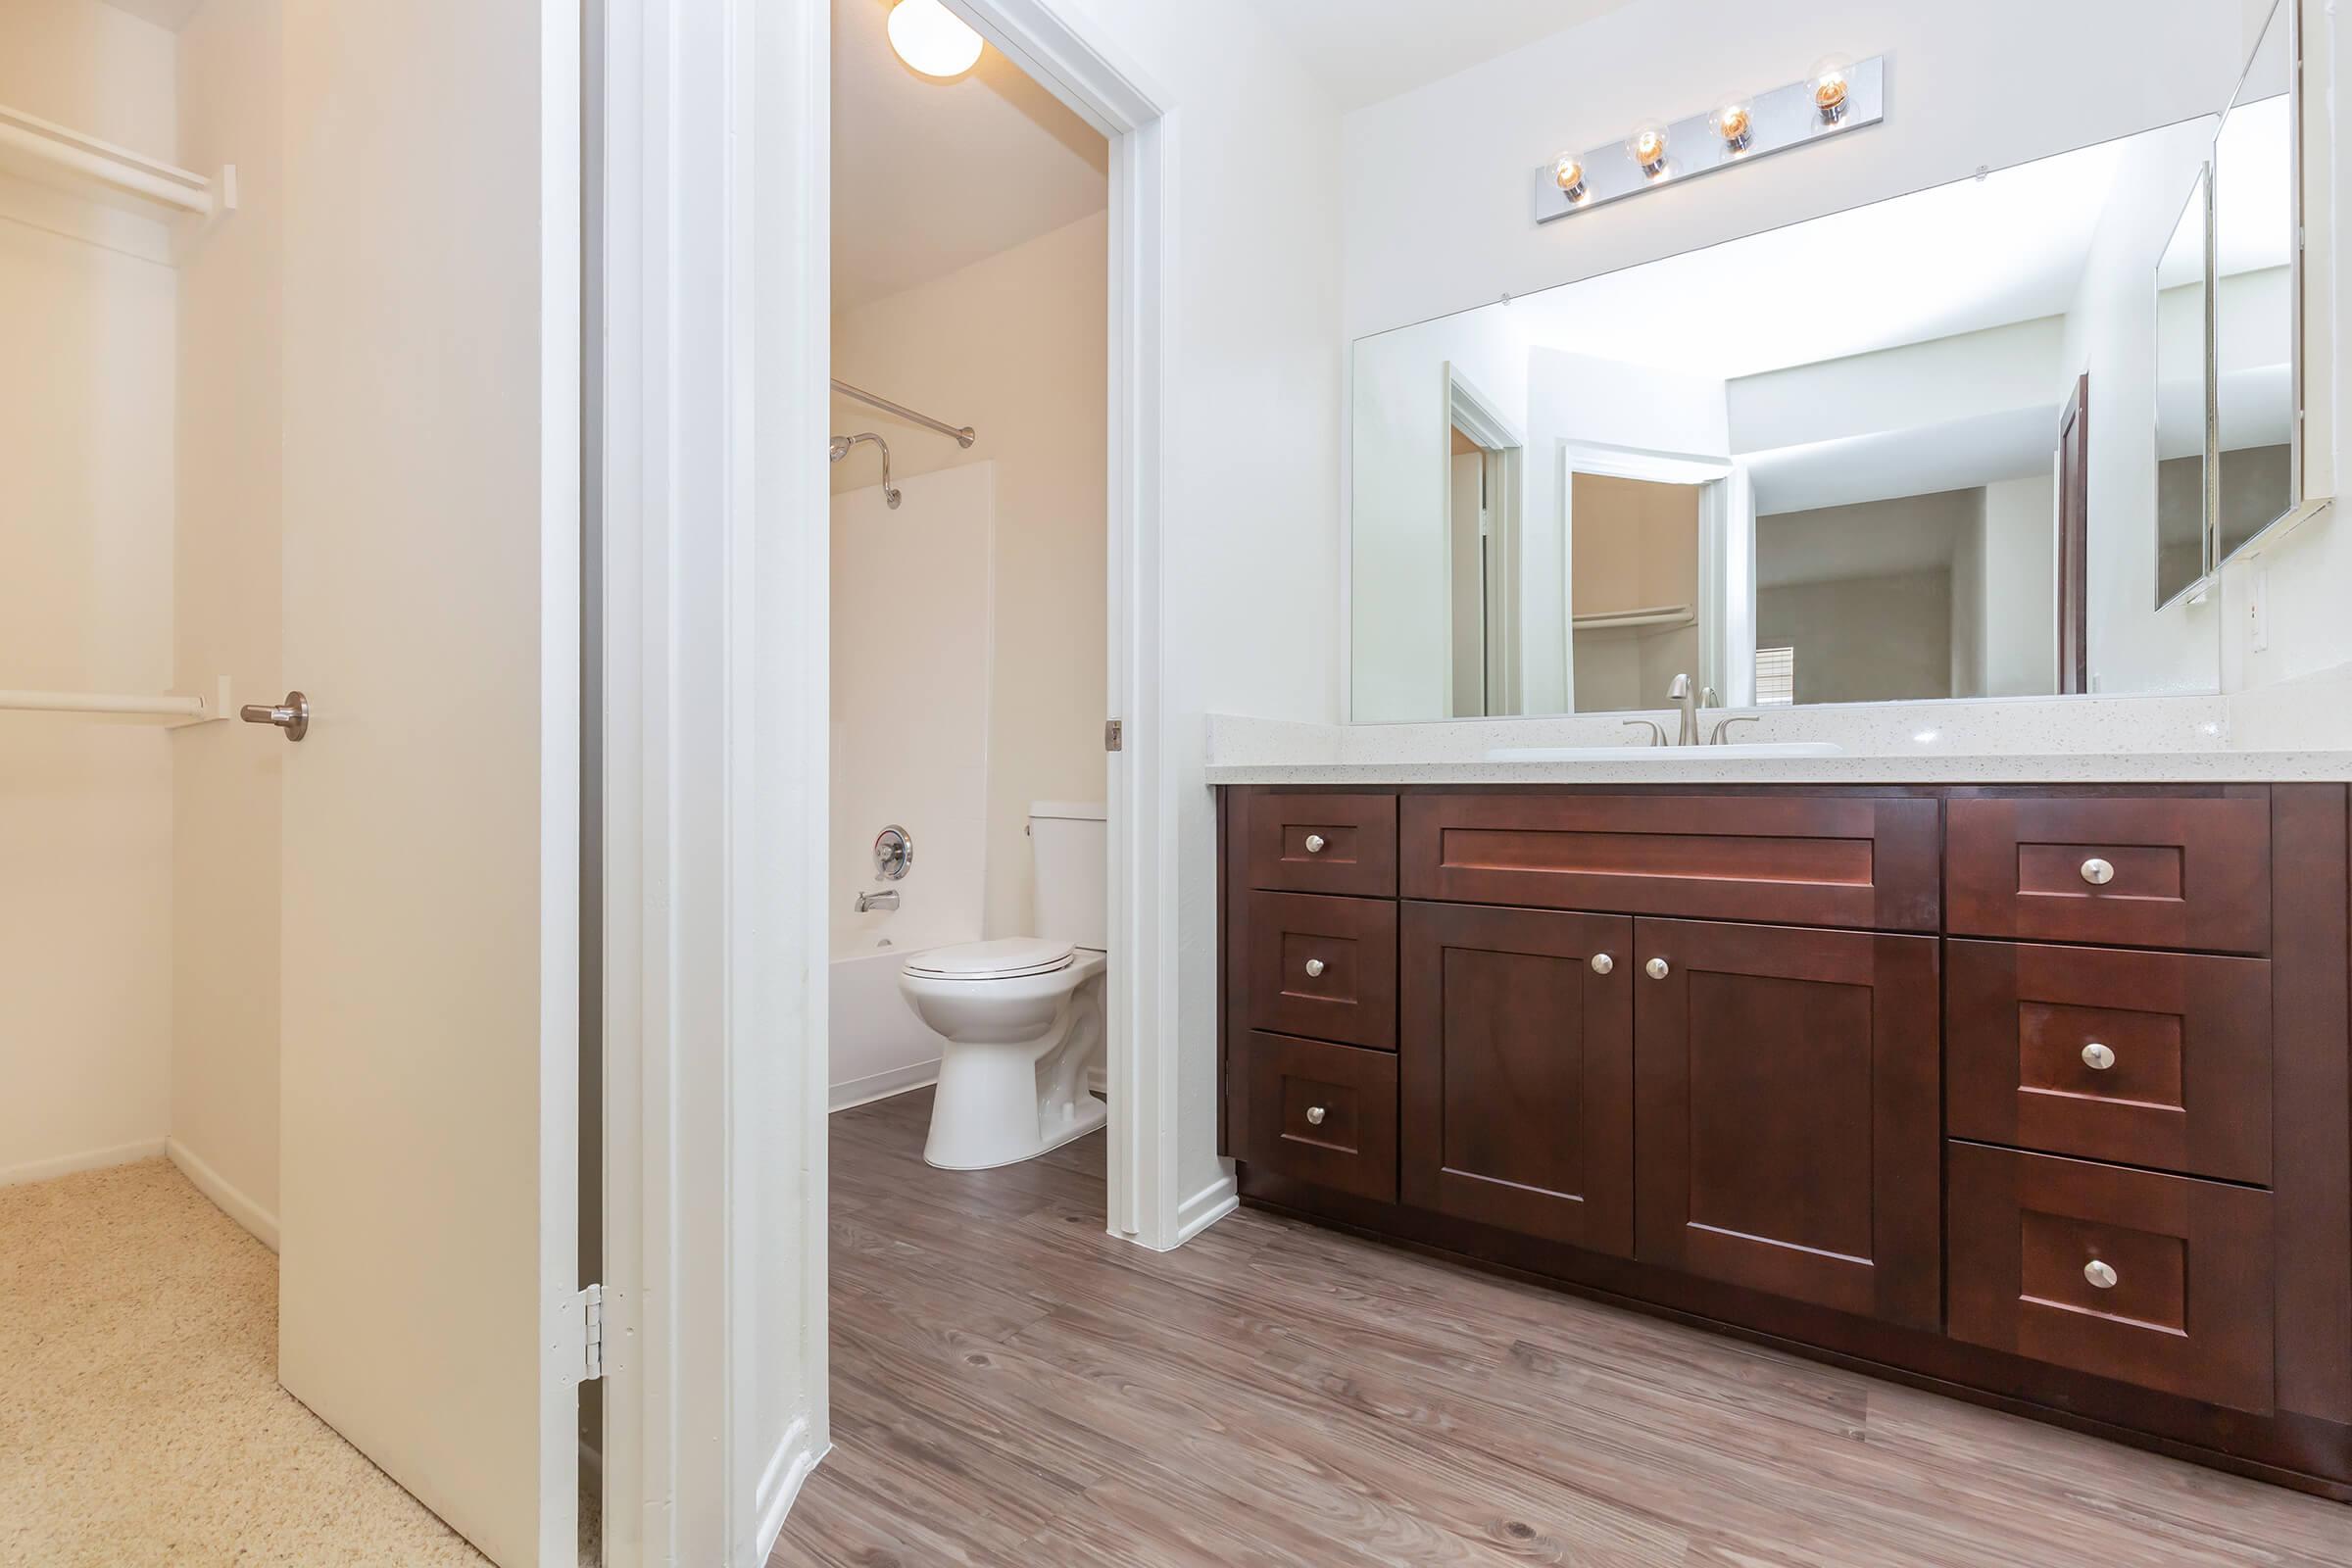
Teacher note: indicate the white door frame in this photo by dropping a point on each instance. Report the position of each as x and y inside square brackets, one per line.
[716, 541]
[1504, 443]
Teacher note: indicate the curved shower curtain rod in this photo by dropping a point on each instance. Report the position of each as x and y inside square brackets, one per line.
[965, 434]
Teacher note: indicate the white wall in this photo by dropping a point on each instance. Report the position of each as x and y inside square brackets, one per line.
[1939, 381]
[85, 604]
[2021, 588]
[1436, 180]
[226, 777]
[1017, 347]
[1250, 562]
[2112, 333]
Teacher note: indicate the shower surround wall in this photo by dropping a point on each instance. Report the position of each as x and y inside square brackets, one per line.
[1015, 346]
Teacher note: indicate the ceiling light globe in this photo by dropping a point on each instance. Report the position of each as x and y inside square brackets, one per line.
[933, 40]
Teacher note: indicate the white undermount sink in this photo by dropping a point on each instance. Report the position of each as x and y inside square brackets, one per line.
[1728, 752]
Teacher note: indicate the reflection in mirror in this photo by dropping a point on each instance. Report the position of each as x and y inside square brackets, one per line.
[1850, 460]
[2183, 402]
[2254, 310]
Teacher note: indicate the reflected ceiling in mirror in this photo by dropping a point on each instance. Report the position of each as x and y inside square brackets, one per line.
[1821, 463]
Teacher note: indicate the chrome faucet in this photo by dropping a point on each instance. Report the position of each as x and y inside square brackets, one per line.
[887, 898]
[1686, 698]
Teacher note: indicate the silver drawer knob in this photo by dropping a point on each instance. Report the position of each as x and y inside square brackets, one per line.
[2097, 872]
[1656, 969]
[2097, 1058]
[1603, 964]
[1314, 968]
[2100, 1274]
[1314, 1116]
[1314, 843]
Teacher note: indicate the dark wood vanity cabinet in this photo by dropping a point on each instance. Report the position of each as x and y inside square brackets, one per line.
[2042, 1096]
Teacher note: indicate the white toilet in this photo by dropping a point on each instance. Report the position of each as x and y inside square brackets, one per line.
[1022, 1016]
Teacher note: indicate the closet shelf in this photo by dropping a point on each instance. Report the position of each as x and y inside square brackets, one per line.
[55, 155]
[1644, 619]
[168, 710]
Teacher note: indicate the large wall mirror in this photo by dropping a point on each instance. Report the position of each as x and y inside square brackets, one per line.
[1988, 439]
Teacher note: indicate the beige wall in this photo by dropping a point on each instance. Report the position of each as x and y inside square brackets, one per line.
[1015, 347]
[85, 604]
[1864, 639]
[224, 864]
[1635, 545]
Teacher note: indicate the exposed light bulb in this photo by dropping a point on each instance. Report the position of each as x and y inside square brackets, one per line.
[1568, 172]
[1735, 120]
[933, 40]
[1829, 87]
[1648, 147]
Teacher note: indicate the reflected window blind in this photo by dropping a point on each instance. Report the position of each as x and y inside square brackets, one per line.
[1776, 678]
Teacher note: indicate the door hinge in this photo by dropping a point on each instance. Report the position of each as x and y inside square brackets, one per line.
[583, 1336]
[1115, 735]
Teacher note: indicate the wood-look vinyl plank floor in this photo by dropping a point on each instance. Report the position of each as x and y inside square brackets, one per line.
[1012, 1386]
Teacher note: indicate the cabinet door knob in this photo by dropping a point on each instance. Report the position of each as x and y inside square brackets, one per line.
[1314, 1116]
[2097, 1058]
[1656, 969]
[1314, 843]
[2100, 1274]
[1314, 968]
[2097, 872]
[1603, 964]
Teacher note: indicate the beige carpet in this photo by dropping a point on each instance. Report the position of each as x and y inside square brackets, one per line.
[140, 1416]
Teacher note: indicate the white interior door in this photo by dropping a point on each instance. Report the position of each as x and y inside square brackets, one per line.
[431, 592]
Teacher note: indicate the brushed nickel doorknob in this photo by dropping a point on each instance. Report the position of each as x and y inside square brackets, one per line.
[2100, 1275]
[1603, 964]
[1314, 968]
[293, 716]
[2097, 1058]
[1314, 843]
[1656, 969]
[1314, 1116]
[2097, 872]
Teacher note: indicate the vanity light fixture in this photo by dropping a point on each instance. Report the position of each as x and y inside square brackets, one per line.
[933, 40]
[1568, 172]
[1735, 123]
[1648, 145]
[1840, 95]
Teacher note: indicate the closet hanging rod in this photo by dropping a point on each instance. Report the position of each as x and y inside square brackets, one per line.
[965, 434]
[129, 704]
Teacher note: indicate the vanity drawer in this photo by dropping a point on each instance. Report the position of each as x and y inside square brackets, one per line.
[2147, 1058]
[1322, 1114]
[1858, 860]
[2159, 1281]
[2181, 871]
[1318, 966]
[1343, 843]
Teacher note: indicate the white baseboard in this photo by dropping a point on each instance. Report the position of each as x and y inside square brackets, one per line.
[230, 1201]
[41, 1171]
[1206, 1207]
[780, 1486]
[882, 1085]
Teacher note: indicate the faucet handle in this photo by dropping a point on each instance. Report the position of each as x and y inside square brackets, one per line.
[1657, 731]
[1715, 738]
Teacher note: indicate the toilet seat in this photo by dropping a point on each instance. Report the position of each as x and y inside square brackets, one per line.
[1005, 958]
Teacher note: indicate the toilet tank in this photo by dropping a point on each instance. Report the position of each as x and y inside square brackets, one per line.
[1069, 849]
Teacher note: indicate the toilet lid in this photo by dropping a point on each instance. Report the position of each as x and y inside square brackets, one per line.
[1001, 959]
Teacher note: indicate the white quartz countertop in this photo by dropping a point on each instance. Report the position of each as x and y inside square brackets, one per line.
[1943, 767]
[2294, 731]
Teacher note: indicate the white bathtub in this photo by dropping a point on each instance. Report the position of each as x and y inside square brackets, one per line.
[879, 1046]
